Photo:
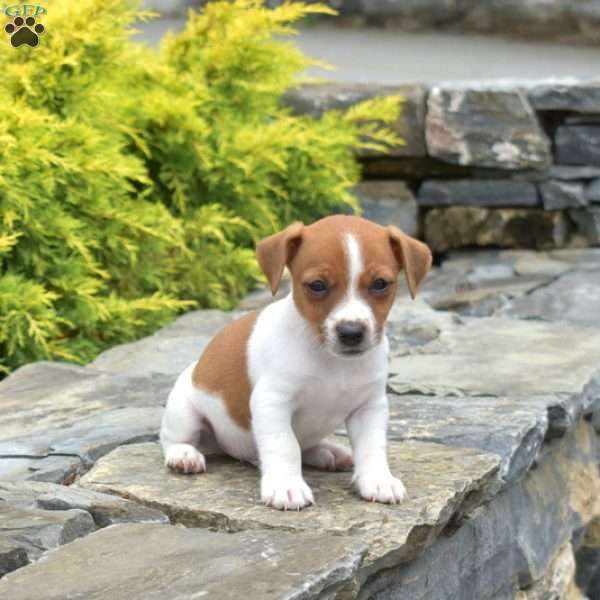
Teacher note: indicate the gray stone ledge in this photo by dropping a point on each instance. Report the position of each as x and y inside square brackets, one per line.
[442, 482]
[487, 427]
[511, 544]
[189, 563]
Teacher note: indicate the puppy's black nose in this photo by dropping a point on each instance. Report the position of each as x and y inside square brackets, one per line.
[350, 333]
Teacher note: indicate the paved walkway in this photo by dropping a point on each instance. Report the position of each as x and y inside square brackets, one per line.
[375, 55]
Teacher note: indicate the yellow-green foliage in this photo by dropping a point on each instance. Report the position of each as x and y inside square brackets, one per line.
[134, 183]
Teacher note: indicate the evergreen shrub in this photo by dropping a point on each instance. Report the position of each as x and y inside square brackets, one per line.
[134, 182]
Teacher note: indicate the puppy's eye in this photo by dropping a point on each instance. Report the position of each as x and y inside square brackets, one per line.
[317, 287]
[379, 286]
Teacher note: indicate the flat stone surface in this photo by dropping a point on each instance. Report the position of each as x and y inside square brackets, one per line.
[188, 563]
[573, 297]
[57, 469]
[513, 427]
[581, 258]
[47, 395]
[581, 97]
[316, 99]
[76, 446]
[103, 508]
[494, 128]
[558, 195]
[389, 203]
[154, 354]
[199, 323]
[496, 193]
[438, 479]
[549, 286]
[460, 226]
[423, 344]
[578, 145]
[486, 299]
[528, 358]
[39, 530]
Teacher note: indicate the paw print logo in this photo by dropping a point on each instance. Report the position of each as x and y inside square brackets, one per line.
[24, 31]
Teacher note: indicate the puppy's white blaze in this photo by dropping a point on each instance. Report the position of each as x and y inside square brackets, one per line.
[352, 307]
[355, 263]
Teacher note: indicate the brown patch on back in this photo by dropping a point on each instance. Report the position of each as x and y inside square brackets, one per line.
[223, 368]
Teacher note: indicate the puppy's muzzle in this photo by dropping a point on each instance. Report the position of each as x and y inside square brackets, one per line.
[351, 335]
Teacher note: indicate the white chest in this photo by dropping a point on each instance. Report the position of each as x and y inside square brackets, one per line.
[325, 403]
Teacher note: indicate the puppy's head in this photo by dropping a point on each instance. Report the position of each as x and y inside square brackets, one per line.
[344, 271]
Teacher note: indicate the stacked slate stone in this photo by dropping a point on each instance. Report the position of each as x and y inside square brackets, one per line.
[502, 166]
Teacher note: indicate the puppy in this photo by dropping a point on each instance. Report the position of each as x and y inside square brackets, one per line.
[273, 384]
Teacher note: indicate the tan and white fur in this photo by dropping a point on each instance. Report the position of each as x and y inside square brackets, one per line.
[271, 386]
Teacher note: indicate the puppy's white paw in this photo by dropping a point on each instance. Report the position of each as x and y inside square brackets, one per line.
[184, 458]
[380, 487]
[285, 493]
[328, 456]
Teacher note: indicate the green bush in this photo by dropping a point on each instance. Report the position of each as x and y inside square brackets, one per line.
[134, 183]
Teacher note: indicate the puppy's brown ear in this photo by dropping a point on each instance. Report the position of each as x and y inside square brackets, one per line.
[276, 251]
[413, 256]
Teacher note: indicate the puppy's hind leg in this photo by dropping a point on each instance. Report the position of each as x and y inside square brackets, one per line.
[328, 456]
[181, 428]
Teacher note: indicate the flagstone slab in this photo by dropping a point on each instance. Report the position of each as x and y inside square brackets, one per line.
[179, 563]
[441, 482]
[105, 509]
[47, 395]
[57, 469]
[198, 322]
[154, 354]
[512, 427]
[37, 530]
[495, 356]
[59, 454]
[574, 297]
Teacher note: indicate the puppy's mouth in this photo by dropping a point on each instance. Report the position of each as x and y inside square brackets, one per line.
[352, 351]
[349, 352]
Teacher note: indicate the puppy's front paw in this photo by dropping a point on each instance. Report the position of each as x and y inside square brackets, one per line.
[380, 487]
[184, 458]
[285, 493]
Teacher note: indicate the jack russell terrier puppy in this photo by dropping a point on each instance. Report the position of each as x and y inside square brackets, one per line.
[274, 383]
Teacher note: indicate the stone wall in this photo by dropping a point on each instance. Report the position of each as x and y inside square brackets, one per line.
[572, 21]
[483, 165]
[494, 394]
